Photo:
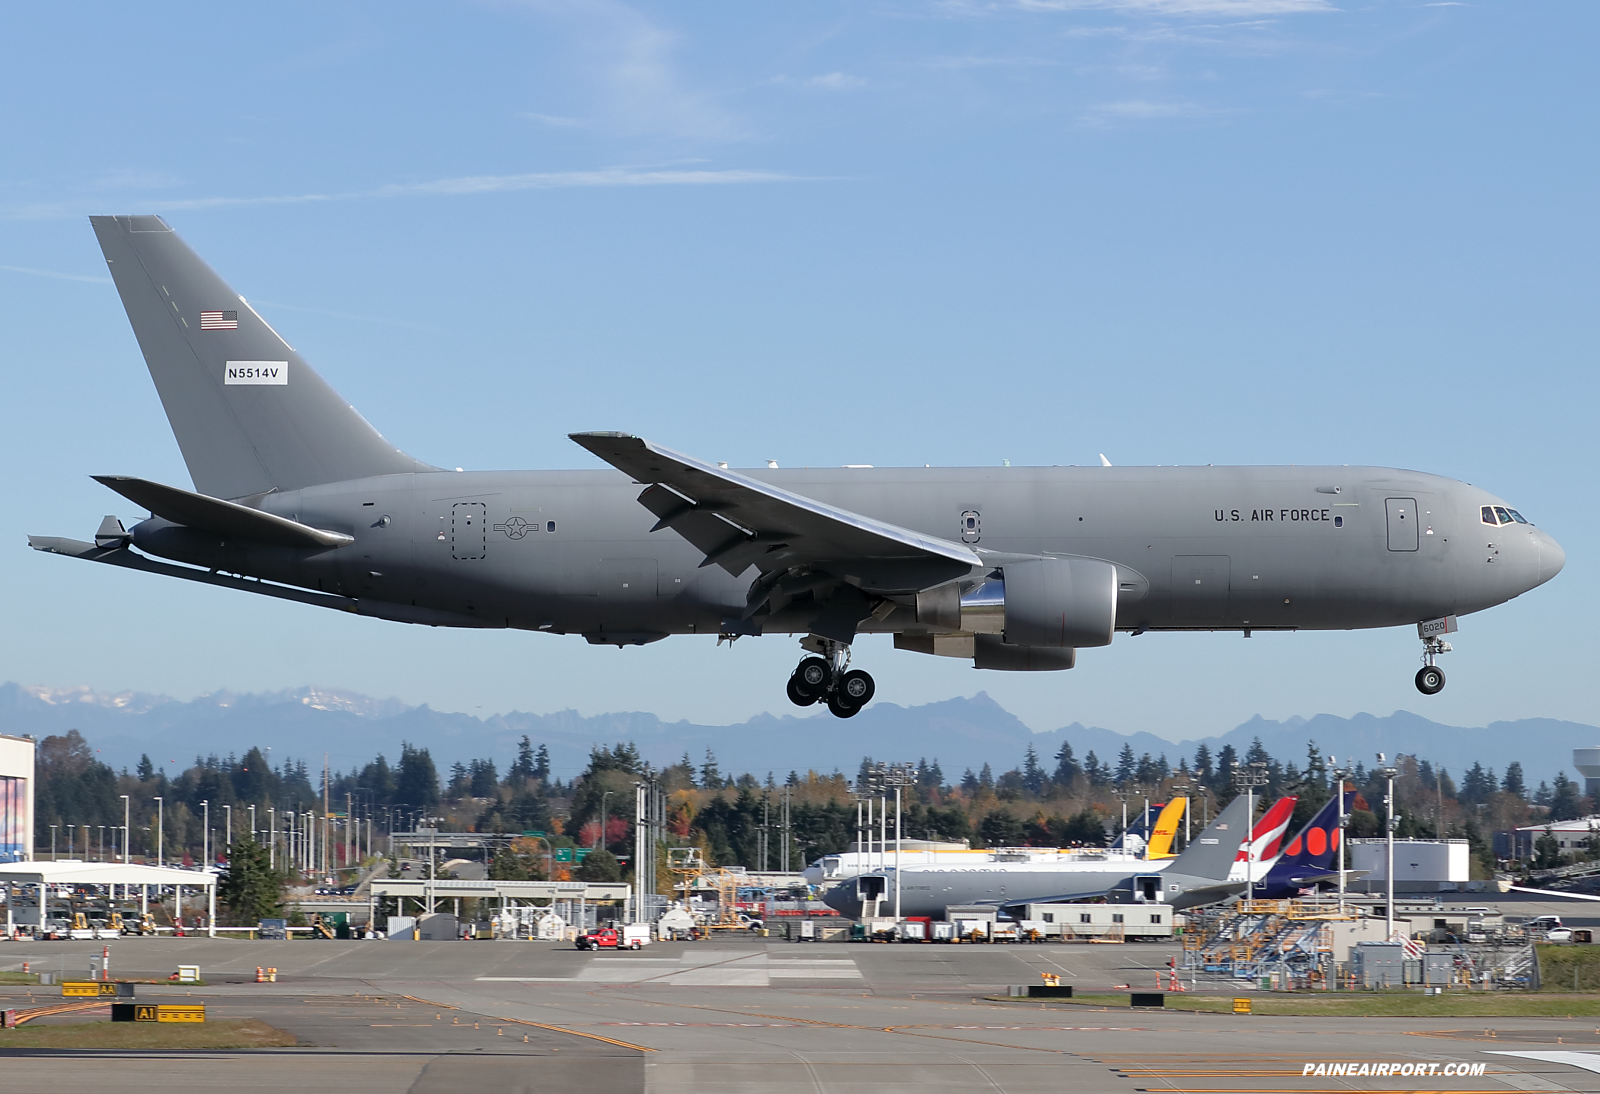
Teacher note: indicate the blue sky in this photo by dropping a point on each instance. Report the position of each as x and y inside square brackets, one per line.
[1172, 231]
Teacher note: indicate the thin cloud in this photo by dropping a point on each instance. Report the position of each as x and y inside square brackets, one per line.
[57, 276]
[453, 187]
[630, 63]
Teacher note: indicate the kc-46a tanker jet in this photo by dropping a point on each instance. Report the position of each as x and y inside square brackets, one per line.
[1012, 568]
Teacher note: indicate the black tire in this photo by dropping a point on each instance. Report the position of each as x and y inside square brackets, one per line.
[798, 695]
[840, 706]
[1430, 680]
[814, 675]
[857, 688]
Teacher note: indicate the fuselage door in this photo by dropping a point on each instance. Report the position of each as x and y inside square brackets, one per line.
[469, 529]
[1402, 514]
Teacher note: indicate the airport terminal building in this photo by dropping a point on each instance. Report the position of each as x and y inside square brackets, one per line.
[16, 798]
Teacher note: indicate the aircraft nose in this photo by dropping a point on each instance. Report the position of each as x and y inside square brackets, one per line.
[1552, 559]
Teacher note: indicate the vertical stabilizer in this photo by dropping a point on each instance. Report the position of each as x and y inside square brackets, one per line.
[249, 414]
[1211, 854]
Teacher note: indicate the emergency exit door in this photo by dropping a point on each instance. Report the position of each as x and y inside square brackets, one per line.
[469, 529]
[1402, 514]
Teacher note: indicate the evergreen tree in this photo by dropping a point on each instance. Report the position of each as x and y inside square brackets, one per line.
[1001, 829]
[1202, 765]
[1564, 802]
[482, 779]
[599, 865]
[1512, 783]
[146, 769]
[1067, 767]
[418, 781]
[1032, 774]
[1541, 796]
[541, 764]
[507, 866]
[710, 776]
[1316, 770]
[522, 767]
[986, 778]
[249, 888]
[1222, 777]
[1126, 765]
[1093, 769]
[1546, 851]
[1145, 773]
[969, 782]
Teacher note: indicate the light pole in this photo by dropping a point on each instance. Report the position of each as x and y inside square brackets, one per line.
[227, 813]
[1187, 791]
[205, 833]
[899, 776]
[1388, 773]
[1247, 777]
[53, 842]
[1340, 774]
[161, 816]
[102, 841]
[124, 828]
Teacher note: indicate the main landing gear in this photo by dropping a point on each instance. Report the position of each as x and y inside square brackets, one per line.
[829, 679]
[1430, 677]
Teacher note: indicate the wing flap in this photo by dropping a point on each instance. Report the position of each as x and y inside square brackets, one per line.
[738, 521]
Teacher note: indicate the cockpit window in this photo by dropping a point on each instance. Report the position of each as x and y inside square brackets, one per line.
[1499, 514]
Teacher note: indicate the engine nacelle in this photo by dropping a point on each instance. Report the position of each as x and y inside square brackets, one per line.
[1060, 602]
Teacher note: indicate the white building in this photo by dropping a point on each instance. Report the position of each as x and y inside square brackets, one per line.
[16, 798]
[1570, 834]
[1420, 865]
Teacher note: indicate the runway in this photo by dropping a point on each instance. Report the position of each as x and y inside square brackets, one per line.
[749, 1014]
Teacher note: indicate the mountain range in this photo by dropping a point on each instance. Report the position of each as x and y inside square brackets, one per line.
[306, 723]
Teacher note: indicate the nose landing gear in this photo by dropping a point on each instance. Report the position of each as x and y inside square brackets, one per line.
[1430, 677]
[828, 679]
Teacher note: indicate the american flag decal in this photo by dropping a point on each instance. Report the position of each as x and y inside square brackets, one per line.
[219, 320]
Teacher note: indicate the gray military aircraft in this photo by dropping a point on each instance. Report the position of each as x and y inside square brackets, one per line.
[1012, 568]
[1198, 876]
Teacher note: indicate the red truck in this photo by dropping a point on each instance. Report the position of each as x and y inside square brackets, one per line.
[631, 937]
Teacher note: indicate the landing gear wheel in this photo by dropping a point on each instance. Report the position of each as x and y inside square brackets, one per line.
[813, 676]
[797, 694]
[857, 688]
[840, 706]
[1430, 680]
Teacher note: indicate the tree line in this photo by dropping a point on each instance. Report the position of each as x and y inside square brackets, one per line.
[1055, 801]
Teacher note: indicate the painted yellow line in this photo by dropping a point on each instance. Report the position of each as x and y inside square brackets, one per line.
[575, 1033]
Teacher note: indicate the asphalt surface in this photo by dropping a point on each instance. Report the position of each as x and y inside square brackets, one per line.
[743, 1014]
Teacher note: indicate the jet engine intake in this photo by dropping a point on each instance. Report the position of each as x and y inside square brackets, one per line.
[1060, 602]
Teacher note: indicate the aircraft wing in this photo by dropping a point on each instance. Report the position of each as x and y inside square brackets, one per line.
[738, 522]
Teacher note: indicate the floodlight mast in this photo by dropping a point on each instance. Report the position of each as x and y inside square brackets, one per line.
[1384, 771]
[1340, 774]
[1247, 777]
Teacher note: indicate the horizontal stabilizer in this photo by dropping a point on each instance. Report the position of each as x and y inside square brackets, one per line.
[224, 518]
[376, 609]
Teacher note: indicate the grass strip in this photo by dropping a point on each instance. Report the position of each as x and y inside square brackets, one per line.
[229, 1033]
